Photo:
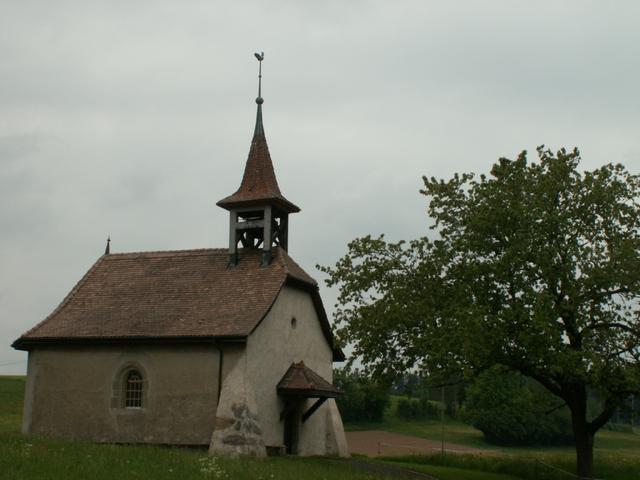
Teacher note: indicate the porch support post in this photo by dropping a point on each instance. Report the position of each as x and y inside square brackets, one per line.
[233, 238]
[266, 237]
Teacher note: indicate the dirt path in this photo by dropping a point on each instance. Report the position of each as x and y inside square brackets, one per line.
[374, 443]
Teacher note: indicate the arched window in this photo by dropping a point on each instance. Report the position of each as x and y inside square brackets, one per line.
[133, 389]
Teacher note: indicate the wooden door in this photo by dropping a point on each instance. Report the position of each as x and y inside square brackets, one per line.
[292, 429]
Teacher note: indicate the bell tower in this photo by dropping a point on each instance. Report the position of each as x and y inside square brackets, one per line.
[258, 212]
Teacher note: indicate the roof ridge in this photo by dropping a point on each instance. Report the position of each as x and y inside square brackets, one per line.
[69, 296]
[185, 252]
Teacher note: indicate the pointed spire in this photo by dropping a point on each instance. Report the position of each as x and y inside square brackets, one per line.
[259, 130]
[259, 184]
[108, 249]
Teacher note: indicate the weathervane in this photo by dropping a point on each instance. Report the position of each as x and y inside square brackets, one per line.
[260, 57]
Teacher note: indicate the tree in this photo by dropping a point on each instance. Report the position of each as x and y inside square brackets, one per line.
[510, 409]
[535, 267]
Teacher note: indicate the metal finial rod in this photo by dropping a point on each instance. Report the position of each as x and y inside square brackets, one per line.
[260, 57]
[108, 250]
[259, 129]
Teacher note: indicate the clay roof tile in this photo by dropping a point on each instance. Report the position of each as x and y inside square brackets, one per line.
[174, 294]
[300, 380]
[259, 184]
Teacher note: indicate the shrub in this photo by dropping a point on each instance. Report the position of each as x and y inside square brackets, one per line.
[512, 410]
[416, 409]
[409, 409]
[364, 399]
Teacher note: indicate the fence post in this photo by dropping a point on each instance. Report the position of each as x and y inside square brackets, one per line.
[442, 416]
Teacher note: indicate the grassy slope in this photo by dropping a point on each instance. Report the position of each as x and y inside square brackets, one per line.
[617, 454]
[453, 473]
[11, 393]
[23, 457]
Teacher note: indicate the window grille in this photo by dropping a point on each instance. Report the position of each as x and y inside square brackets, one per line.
[133, 391]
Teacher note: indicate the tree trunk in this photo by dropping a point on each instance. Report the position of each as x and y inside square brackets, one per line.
[583, 438]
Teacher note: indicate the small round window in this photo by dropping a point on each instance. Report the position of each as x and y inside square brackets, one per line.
[294, 322]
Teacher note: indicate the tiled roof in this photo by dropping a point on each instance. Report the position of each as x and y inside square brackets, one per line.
[189, 294]
[259, 183]
[302, 381]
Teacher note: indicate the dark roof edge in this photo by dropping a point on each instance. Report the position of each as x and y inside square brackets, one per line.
[281, 256]
[273, 302]
[229, 203]
[314, 290]
[30, 343]
[308, 393]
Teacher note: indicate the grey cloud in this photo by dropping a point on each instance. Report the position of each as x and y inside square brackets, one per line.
[13, 147]
[132, 119]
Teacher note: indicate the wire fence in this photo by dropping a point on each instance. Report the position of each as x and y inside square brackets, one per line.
[12, 363]
[542, 471]
[424, 449]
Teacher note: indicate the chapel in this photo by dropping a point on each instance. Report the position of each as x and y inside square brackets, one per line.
[226, 347]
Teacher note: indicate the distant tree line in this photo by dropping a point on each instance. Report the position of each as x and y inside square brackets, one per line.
[507, 407]
[364, 400]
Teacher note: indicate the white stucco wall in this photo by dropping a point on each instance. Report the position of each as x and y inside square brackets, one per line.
[271, 350]
[237, 427]
[73, 393]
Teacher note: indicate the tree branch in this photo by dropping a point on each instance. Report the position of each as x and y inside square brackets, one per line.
[547, 383]
[610, 293]
[603, 325]
[601, 419]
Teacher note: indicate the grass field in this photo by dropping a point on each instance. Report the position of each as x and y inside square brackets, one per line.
[452, 473]
[617, 454]
[606, 441]
[28, 457]
[23, 457]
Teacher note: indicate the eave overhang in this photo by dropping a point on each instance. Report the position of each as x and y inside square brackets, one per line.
[27, 344]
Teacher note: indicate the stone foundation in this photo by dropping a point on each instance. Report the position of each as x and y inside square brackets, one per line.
[238, 435]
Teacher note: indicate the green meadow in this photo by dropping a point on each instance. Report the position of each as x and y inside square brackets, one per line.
[616, 454]
[29, 457]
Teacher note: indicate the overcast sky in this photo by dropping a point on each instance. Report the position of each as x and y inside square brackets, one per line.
[133, 118]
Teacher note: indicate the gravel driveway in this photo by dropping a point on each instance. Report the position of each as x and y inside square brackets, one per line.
[374, 443]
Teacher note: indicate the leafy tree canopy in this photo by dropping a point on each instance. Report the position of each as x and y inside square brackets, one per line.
[535, 267]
